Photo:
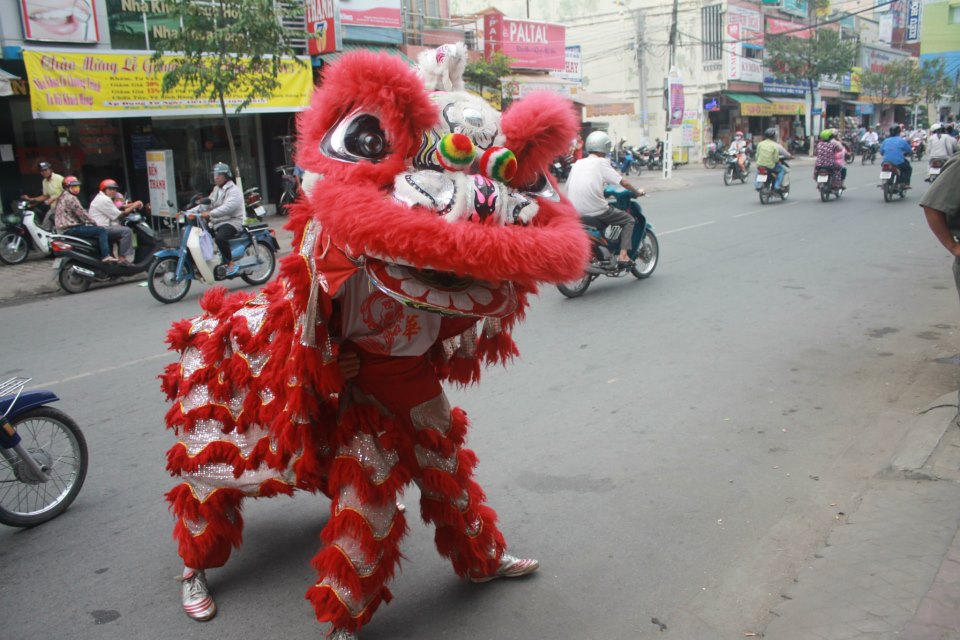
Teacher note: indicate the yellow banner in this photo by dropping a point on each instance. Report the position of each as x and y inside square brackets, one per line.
[754, 109]
[67, 84]
[788, 108]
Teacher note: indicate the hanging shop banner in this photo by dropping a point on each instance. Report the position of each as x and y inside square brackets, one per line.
[60, 21]
[68, 84]
[915, 8]
[531, 45]
[321, 16]
[675, 89]
[371, 13]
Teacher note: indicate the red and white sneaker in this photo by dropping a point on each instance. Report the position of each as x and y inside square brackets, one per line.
[195, 595]
[510, 567]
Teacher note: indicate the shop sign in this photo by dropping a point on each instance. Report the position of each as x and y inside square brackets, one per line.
[795, 7]
[788, 108]
[755, 109]
[60, 22]
[885, 32]
[531, 45]
[675, 90]
[573, 69]
[91, 84]
[876, 60]
[914, 10]
[750, 21]
[137, 24]
[775, 27]
[321, 17]
[371, 13]
[784, 87]
[739, 67]
[161, 183]
[612, 109]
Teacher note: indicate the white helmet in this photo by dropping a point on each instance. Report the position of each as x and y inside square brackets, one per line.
[598, 142]
[938, 126]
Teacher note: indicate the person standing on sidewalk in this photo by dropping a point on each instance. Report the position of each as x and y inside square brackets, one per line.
[941, 205]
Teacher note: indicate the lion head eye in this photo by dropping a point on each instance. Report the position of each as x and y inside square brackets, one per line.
[473, 117]
[357, 137]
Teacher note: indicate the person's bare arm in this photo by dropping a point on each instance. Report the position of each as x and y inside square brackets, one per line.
[937, 222]
[629, 187]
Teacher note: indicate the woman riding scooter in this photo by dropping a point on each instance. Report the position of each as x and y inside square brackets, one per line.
[71, 218]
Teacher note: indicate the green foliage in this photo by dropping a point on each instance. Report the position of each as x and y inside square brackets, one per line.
[229, 46]
[796, 59]
[935, 81]
[488, 74]
[897, 79]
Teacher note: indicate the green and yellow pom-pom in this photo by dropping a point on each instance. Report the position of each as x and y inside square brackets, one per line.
[499, 163]
[455, 152]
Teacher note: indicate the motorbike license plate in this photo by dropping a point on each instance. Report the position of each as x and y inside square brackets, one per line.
[823, 178]
[260, 211]
[56, 262]
[761, 177]
[935, 172]
[885, 175]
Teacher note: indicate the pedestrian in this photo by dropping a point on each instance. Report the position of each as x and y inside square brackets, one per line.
[941, 206]
[72, 219]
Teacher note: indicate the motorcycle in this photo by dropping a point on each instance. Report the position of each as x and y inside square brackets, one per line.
[868, 151]
[714, 158]
[254, 203]
[890, 182]
[43, 456]
[918, 148]
[630, 163]
[935, 168]
[733, 171]
[174, 270]
[798, 145]
[79, 264]
[289, 182]
[605, 246]
[767, 178]
[21, 233]
[829, 182]
[560, 168]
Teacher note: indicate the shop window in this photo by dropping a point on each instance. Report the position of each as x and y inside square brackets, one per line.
[711, 29]
[954, 16]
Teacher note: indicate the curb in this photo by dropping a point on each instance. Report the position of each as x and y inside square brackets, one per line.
[919, 443]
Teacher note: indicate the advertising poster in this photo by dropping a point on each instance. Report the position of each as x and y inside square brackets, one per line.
[160, 182]
[321, 17]
[371, 13]
[91, 84]
[676, 98]
[531, 45]
[60, 20]
[134, 24]
[572, 70]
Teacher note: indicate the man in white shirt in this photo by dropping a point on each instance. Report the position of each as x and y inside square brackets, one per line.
[870, 137]
[588, 177]
[106, 214]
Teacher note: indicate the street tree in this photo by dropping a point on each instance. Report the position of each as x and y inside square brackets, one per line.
[489, 74]
[935, 83]
[897, 79]
[230, 47]
[808, 59]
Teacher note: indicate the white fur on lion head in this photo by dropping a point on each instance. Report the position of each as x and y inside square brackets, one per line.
[442, 68]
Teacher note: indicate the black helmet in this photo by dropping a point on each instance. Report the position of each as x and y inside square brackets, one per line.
[222, 167]
[44, 165]
[770, 133]
[895, 130]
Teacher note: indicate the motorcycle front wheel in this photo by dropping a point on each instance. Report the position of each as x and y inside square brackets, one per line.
[71, 281]
[648, 256]
[728, 176]
[57, 444]
[14, 248]
[263, 271]
[162, 281]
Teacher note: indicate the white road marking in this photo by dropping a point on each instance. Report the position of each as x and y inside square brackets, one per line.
[693, 226]
[104, 370]
[766, 208]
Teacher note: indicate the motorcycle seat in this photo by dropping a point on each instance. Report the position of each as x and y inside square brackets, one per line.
[258, 226]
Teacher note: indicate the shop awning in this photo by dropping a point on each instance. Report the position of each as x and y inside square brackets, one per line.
[327, 58]
[746, 98]
[598, 105]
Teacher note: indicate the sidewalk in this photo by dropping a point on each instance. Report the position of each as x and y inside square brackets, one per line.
[36, 276]
[892, 569]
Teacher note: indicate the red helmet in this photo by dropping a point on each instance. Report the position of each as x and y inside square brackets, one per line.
[739, 133]
[71, 181]
[109, 183]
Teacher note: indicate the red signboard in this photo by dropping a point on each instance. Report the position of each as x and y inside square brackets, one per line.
[531, 45]
[321, 21]
[776, 27]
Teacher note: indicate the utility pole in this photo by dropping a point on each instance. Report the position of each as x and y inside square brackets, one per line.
[639, 20]
[668, 141]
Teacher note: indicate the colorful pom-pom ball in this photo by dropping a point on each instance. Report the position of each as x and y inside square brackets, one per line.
[455, 152]
[498, 163]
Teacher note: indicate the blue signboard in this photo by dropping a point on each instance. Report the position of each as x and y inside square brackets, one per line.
[795, 7]
[913, 21]
[784, 87]
[816, 111]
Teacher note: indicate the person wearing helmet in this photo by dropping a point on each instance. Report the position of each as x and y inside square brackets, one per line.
[895, 151]
[71, 218]
[941, 207]
[52, 187]
[830, 154]
[226, 213]
[585, 184]
[739, 147]
[769, 152]
[940, 146]
[107, 214]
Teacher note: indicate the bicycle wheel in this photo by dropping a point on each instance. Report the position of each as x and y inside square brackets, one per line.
[57, 444]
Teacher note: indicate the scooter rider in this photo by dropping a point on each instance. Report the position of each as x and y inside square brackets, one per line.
[769, 152]
[72, 219]
[52, 186]
[870, 139]
[739, 147]
[895, 151]
[940, 146]
[585, 185]
[830, 155]
[105, 212]
[226, 212]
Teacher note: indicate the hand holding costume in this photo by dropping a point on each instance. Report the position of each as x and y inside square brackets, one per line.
[414, 256]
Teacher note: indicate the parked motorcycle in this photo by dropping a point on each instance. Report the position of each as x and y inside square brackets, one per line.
[890, 182]
[43, 456]
[560, 168]
[289, 183]
[868, 151]
[174, 270]
[714, 158]
[935, 168]
[254, 203]
[798, 145]
[79, 264]
[605, 246]
[732, 170]
[829, 182]
[766, 179]
[21, 233]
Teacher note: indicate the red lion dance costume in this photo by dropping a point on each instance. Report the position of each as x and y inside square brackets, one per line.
[415, 253]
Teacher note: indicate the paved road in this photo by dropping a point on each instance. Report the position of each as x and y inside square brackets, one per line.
[676, 448]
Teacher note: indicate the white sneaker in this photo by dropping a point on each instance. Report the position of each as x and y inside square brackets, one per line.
[195, 595]
[510, 567]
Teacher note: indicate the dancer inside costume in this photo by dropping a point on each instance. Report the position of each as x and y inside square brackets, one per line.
[414, 257]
